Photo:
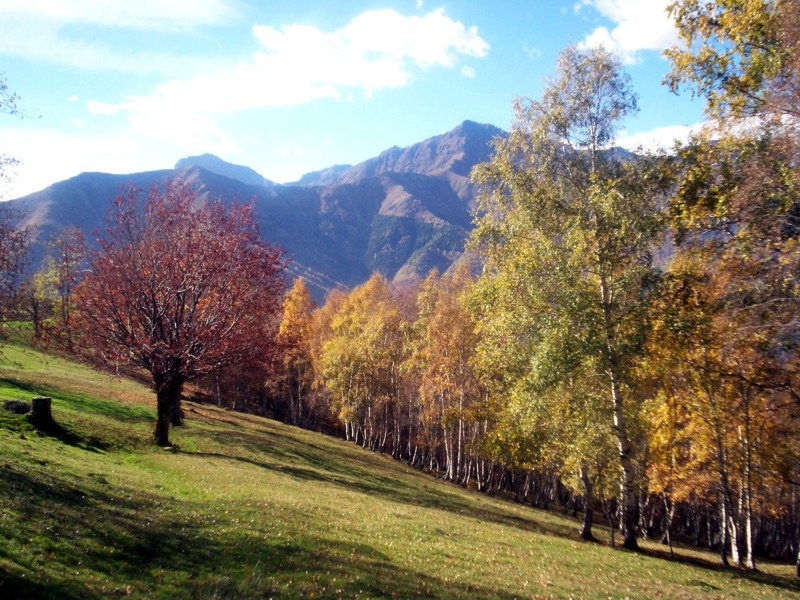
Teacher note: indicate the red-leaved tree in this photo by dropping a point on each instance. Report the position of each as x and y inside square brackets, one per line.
[14, 242]
[180, 286]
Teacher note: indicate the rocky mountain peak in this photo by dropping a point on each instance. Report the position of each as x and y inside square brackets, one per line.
[214, 164]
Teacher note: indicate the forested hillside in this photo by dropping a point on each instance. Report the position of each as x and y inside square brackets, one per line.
[605, 334]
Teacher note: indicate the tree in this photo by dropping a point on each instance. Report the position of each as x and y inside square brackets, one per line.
[736, 215]
[36, 300]
[294, 342]
[8, 106]
[442, 352]
[321, 333]
[741, 55]
[182, 287]
[66, 255]
[14, 242]
[567, 230]
[737, 197]
[8, 99]
[360, 362]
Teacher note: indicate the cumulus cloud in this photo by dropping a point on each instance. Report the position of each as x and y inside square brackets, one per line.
[376, 50]
[639, 25]
[297, 64]
[101, 108]
[660, 138]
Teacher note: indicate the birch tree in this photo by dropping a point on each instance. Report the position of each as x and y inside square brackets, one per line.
[567, 228]
[736, 211]
[443, 349]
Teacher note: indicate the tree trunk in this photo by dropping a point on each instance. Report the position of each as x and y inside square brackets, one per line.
[164, 413]
[749, 561]
[798, 562]
[733, 528]
[669, 512]
[168, 393]
[586, 529]
[723, 530]
[630, 503]
[176, 412]
[608, 511]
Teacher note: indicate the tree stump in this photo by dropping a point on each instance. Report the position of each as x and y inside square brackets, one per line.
[41, 415]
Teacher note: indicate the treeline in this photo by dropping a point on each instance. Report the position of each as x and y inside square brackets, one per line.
[630, 338]
[400, 371]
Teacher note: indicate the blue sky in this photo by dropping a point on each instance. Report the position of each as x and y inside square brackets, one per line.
[291, 87]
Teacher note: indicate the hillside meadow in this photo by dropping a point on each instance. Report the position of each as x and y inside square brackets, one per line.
[245, 507]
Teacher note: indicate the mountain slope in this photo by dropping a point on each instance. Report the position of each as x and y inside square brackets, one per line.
[402, 213]
[246, 507]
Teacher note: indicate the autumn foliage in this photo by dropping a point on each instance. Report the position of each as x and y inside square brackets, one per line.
[13, 260]
[624, 334]
[181, 287]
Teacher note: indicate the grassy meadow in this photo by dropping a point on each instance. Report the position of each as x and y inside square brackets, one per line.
[246, 507]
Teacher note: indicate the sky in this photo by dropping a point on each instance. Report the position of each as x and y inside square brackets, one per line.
[290, 87]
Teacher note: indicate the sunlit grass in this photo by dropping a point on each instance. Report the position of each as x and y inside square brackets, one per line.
[252, 508]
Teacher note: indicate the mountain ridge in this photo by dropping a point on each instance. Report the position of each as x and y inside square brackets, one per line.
[402, 213]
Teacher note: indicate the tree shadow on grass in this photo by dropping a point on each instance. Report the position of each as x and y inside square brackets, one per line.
[95, 541]
[323, 568]
[86, 403]
[355, 471]
[313, 463]
[19, 587]
[71, 438]
[709, 565]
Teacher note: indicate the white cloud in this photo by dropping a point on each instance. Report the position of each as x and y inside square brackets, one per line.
[640, 25]
[184, 130]
[468, 72]
[174, 15]
[532, 52]
[48, 155]
[70, 33]
[45, 43]
[431, 40]
[298, 64]
[101, 108]
[660, 138]
[291, 150]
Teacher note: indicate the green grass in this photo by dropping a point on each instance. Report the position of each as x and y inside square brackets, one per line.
[252, 508]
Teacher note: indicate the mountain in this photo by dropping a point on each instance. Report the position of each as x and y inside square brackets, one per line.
[209, 162]
[402, 213]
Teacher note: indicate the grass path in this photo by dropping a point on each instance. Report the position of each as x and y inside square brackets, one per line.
[251, 508]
